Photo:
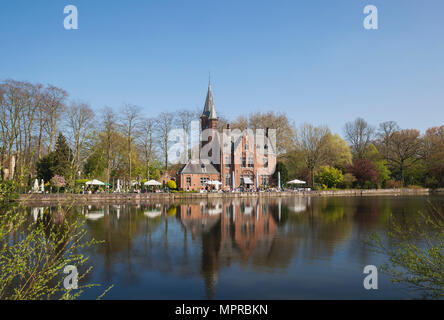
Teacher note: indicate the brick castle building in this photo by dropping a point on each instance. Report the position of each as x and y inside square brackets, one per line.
[241, 161]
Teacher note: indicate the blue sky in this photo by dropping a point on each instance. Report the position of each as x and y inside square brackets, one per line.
[311, 59]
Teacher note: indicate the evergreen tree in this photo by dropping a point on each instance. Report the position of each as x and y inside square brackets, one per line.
[45, 167]
[64, 158]
[58, 162]
[280, 167]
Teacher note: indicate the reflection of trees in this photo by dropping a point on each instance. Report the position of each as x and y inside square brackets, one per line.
[333, 226]
[210, 261]
[201, 237]
[119, 233]
[317, 231]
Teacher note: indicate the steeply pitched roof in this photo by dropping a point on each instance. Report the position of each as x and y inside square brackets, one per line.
[209, 109]
[199, 167]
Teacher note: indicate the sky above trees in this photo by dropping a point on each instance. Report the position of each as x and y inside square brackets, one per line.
[310, 59]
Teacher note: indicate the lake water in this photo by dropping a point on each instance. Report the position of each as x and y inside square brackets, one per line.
[288, 248]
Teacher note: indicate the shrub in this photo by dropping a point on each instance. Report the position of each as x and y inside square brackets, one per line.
[172, 185]
[415, 187]
[364, 170]
[58, 181]
[393, 184]
[31, 266]
[349, 180]
[413, 262]
[431, 182]
[383, 172]
[329, 176]
[81, 181]
[8, 192]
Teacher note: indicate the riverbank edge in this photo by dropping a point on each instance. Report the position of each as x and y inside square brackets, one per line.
[147, 197]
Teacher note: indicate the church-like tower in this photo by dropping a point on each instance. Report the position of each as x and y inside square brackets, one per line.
[209, 116]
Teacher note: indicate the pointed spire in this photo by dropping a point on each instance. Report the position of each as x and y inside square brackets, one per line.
[209, 109]
[213, 115]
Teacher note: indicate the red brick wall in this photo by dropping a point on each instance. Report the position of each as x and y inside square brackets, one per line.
[195, 180]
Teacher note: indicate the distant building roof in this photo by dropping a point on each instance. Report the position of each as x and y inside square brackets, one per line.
[209, 109]
[199, 167]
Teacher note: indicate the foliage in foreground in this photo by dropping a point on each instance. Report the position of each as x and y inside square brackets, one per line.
[34, 255]
[416, 254]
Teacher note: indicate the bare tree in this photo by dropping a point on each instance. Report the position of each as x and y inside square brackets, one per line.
[39, 102]
[240, 123]
[109, 127]
[55, 105]
[385, 135]
[359, 135]
[312, 142]
[11, 114]
[184, 118]
[80, 121]
[164, 125]
[147, 127]
[129, 127]
[20, 106]
[404, 150]
[277, 121]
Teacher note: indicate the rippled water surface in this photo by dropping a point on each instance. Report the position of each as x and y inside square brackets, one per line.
[289, 248]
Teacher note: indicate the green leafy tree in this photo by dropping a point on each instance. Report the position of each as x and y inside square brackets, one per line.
[296, 165]
[372, 154]
[64, 157]
[339, 153]
[45, 167]
[417, 264]
[349, 180]
[329, 176]
[95, 165]
[383, 172]
[433, 154]
[57, 162]
[31, 266]
[280, 167]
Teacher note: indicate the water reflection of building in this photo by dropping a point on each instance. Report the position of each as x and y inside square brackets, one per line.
[204, 237]
[230, 231]
[244, 223]
[198, 218]
[246, 226]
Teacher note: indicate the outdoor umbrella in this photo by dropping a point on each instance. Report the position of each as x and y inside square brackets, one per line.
[95, 183]
[152, 183]
[296, 181]
[214, 183]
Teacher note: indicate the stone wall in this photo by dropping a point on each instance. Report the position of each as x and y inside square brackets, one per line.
[121, 198]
